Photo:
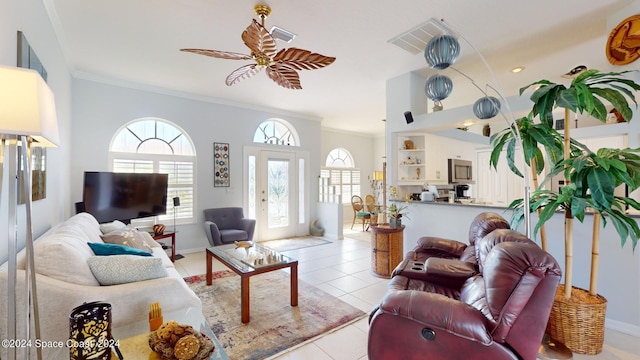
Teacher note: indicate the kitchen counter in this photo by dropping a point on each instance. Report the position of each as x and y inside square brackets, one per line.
[446, 202]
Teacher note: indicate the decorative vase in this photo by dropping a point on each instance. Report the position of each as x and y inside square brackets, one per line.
[486, 130]
[395, 223]
[90, 332]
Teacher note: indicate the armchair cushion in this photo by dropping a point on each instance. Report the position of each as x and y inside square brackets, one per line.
[226, 225]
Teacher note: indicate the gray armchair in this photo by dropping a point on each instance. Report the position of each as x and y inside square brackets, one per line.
[226, 225]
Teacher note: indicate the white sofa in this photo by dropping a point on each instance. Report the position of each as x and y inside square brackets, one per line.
[64, 280]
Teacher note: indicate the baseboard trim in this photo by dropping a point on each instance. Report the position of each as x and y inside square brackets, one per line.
[622, 327]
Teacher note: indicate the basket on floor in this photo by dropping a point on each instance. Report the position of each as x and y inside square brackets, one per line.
[578, 323]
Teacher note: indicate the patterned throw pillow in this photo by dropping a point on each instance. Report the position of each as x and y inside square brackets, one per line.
[129, 237]
[122, 269]
[116, 249]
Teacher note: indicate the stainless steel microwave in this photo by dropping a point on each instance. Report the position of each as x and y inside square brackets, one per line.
[460, 171]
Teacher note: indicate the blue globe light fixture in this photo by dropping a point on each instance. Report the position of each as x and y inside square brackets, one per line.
[442, 51]
[438, 87]
[486, 107]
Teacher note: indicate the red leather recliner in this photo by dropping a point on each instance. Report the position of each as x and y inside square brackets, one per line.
[447, 261]
[500, 313]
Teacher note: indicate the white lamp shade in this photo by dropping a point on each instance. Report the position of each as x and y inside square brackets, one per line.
[27, 106]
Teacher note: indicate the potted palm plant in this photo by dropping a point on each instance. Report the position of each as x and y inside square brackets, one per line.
[590, 180]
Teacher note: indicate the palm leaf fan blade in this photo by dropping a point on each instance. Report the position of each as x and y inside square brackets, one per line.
[301, 59]
[284, 76]
[259, 40]
[219, 54]
[241, 73]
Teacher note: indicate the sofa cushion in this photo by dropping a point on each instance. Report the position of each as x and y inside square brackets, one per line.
[112, 226]
[116, 249]
[122, 269]
[86, 223]
[64, 258]
[130, 237]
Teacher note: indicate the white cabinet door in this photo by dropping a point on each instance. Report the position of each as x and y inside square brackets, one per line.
[493, 185]
[484, 178]
[436, 160]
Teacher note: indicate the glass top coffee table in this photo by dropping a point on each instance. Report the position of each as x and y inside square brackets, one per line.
[251, 261]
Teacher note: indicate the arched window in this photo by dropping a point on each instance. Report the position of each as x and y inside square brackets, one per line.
[152, 145]
[339, 157]
[276, 132]
[341, 171]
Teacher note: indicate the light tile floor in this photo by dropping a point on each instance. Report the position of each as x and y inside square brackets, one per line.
[342, 269]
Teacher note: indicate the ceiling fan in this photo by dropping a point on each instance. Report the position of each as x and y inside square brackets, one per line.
[280, 65]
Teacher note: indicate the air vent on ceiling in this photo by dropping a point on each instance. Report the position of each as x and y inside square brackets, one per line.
[415, 40]
[282, 34]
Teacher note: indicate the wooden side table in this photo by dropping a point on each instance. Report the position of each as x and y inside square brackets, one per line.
[386, 249]
[172, 235]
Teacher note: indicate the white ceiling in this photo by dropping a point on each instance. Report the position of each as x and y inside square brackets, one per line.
[137, 41]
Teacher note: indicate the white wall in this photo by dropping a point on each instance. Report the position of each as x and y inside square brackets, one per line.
[100, 109]
[30, 17]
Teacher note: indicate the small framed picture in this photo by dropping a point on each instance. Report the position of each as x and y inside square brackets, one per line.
[221, 175]
[560, 124]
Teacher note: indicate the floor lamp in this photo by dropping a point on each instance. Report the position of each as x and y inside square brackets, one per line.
[27, 115]
[176, 203]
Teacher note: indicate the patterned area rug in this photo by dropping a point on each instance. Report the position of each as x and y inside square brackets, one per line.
[294, 243]
[275, 325]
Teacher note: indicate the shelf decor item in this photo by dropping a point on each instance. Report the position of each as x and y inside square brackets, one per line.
[221, 175]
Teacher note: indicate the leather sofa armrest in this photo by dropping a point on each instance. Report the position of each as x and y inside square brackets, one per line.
[213, 233]
[448, 272]
[439, 245]
[438, 312]
[249, 225]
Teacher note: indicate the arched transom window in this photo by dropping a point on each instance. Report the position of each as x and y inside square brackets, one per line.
[276, 132]
[341, 171]
[153, 145]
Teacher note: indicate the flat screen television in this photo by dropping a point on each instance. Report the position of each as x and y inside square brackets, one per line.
[124, 196]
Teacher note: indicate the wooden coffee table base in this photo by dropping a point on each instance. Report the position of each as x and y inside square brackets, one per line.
[244, 280]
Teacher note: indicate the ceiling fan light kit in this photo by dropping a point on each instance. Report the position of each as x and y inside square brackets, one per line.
[280, 66]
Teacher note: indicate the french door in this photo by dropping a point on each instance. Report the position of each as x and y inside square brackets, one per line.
[275, 191]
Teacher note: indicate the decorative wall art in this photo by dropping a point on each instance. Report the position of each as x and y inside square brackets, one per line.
[28, 59]
[623, 45]
[221, 175]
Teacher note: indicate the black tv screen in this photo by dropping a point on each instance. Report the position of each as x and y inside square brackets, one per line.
[124, 196]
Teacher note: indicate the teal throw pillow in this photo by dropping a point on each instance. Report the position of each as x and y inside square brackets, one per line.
[116, 249]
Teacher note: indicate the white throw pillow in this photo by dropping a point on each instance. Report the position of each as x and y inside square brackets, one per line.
[112, 226]
[122, 269]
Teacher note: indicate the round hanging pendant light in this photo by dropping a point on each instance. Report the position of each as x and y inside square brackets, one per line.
[438, 87]
[486, 107]
[442, 51]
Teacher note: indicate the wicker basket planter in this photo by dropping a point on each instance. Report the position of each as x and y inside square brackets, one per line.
[578, 322]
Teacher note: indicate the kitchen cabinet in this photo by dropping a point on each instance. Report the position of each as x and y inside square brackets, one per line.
[497, 186]
[491, 183]
[436, 159]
